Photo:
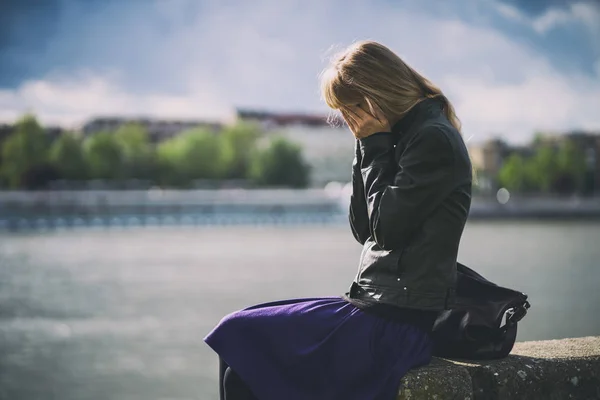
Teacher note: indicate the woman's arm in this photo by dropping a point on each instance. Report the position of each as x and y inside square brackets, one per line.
[400, 196]
[359, 219]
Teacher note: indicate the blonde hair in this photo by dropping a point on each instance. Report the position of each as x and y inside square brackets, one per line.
[369, 72]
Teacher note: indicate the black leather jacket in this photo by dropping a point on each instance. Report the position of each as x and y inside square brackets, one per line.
[410, 201]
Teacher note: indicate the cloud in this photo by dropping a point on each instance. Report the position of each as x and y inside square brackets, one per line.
[191, 61]
[586, 13]
[70, 101]
[512, 91]
[544, 102]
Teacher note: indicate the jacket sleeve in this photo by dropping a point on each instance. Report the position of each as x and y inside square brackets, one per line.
[400, 196]
[359, 219]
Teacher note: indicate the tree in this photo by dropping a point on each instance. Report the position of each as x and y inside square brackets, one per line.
[39, 175]
[543, 168]
[169, 154]
[514, 174]
[539, 138]
[25, 149]
[571, 168]
[66, 155]
[238, 143]
[195, 154]
[104, 156]
[137, 152]
[5, 132]
[280, 164]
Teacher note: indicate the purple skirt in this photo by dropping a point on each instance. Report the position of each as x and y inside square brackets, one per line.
[318, 348]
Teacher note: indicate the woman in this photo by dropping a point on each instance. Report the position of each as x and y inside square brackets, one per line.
[411, 196]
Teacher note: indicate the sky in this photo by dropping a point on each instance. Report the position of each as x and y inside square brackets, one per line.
[510, 67]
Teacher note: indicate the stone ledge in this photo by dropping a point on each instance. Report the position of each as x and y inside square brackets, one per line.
[544, 370]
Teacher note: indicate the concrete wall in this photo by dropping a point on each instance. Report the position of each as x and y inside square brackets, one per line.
[545, 370]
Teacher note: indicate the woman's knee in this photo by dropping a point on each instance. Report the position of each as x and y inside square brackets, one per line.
[235, 388]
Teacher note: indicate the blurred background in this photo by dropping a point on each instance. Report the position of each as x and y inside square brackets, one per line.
[166, 162]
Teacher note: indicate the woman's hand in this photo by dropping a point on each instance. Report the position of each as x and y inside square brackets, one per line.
[363, 124]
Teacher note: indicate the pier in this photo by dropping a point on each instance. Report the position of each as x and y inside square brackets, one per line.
[539, 370]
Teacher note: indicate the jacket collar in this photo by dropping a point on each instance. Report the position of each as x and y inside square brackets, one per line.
[424, 108]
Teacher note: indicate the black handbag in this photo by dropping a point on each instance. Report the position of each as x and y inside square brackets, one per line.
[482, 325]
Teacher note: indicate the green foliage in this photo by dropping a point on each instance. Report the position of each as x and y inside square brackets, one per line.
[30, 161]
[133, 140]
[549, 170]
[515, 174]
[238, 144]
[138, 154]
[66, 155]
[280, 164]
[104, 156]
[538, 139]
[543, 168]
[571, 160]
[195, 154]
[571, 168]
[26, 149]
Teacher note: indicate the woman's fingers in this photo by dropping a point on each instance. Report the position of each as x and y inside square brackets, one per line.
[378, 112]
[362, 122]
[349, 120]
[356, 118]
[359, 113]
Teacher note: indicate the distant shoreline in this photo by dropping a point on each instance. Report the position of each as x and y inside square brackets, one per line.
[23, 211]
[553, 209]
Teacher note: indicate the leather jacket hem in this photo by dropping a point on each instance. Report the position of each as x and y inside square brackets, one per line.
[404, 297]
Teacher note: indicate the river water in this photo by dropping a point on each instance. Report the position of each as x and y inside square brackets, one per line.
[120, 314]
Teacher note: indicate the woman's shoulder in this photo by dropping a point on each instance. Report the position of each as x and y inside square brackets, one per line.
[429, 140]
[436, 131]
[435, 145]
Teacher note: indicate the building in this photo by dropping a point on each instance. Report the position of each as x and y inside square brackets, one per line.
[488, 158]
[158, 130]
[272, 120]
[328, 147]
[328, 150]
